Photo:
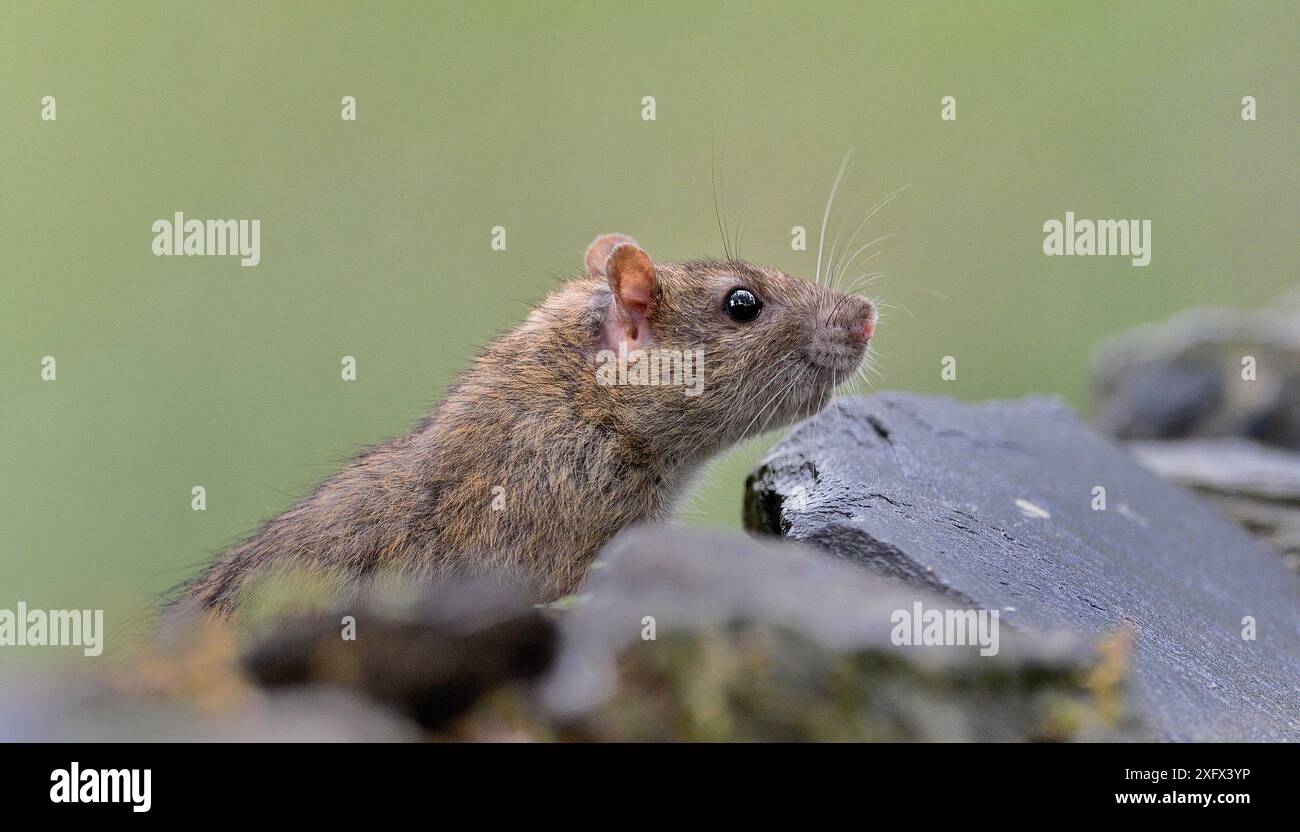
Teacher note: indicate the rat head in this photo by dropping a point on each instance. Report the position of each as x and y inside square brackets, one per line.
[763, 348]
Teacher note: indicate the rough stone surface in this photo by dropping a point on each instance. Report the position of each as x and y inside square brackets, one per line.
[992, 504]
[1229, 466]
[1183, 377]
[67, 708]
[419, 660]
[754, 640]
[1256, 485]
[430, 658]
[766, 640]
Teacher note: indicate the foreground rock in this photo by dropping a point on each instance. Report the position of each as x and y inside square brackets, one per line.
[72, 709]
[769, 641]
[993, 505]
[688, 636]
[398, 665]
[429, 658]
[193, 691]
[678, 636]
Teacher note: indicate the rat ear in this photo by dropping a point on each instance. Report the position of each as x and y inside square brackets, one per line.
[632, 282]
[600, 249]
[631, 276]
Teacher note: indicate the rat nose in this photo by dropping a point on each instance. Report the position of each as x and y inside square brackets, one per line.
[865, 327]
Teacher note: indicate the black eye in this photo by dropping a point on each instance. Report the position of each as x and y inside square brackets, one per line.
[743, 305]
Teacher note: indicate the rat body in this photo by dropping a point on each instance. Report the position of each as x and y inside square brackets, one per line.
[531, 463]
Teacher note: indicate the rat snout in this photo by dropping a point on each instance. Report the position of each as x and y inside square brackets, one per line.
[863, 328]
[839, 336]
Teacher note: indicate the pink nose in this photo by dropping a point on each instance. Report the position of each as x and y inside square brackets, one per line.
[868, 328]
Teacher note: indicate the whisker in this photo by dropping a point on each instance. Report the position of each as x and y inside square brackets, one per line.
[782, 392]
[855, 286]
[719, 211]
[835, 309]
[740, 233]
[883, 305]
[839, 233]
[936, 294]
[752, 397]
[826, 214]
[849, 263]
[875, 211]
[862, 281]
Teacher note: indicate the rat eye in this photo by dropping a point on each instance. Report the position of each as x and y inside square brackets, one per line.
[742, 305]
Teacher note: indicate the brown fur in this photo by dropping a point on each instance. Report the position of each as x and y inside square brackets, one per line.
[578, 461]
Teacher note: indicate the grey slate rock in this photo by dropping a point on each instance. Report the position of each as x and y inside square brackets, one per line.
[431, 657]
[61, 707]
[1227, 466]
[1182, 377]
[991, 504]
[1256, 485]
[760, 639]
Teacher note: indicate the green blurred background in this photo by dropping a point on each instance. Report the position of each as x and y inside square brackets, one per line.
[178, 371]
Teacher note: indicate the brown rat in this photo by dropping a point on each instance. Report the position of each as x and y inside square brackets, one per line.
[534, 461]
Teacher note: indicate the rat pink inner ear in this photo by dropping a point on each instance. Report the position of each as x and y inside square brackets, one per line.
[631, 276]
[600, 249]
